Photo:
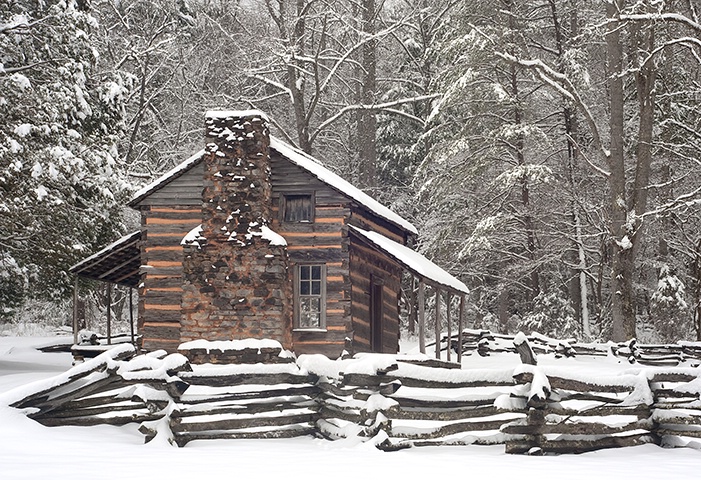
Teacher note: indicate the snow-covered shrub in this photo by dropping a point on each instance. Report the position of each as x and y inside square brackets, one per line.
[552, 315]
[668, 307]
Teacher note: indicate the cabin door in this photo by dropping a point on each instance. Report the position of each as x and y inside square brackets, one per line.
[376, 315]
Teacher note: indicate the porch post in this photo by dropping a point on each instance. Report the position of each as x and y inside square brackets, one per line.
[438, 323]
[461, 319]
[412, 306]
[422, 317]
[447, 319]
[75, 311]
[131, 313]
[109, 313]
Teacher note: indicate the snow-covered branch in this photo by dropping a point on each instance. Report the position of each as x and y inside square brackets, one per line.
[387, 106]
[560, 83]
[663, 17]
[273, 83]
[686, 200]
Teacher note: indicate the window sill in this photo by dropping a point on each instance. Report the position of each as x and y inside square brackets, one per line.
[320, 330]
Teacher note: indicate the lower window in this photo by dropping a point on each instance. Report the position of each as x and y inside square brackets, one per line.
[310, 296]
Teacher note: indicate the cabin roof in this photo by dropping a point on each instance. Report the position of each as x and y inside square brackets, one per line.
[413, 261]
[118, 262]
[300, 159]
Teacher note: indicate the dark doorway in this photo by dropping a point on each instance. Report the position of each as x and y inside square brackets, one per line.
[376, 315]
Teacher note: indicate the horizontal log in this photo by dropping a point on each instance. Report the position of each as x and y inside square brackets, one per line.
[584, 428]
[208, 425]
[123, 406]
[291, 431]
[248, 379]
[442, 404]
[445, 430]
[247, 408]
[641, 411]
[447, 414]
[579, 446]
[575, 385]
[667, 431]
[300, 389]
[88, 421]
[356, 379]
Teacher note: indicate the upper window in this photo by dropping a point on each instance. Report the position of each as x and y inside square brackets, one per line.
[310, 296]
[298, 208]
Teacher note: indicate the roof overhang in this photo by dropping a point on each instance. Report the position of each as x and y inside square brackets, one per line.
[413, 261]
[117, 263]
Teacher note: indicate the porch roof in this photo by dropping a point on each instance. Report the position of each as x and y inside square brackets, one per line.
[417, 264]
[117, 263]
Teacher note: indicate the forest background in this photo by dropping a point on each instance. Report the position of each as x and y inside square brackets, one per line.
[549, 151]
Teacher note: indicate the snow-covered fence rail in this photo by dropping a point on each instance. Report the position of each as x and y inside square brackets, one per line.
[486, 343]
[116, 387]
[245, 401]
[574, 415]
[677, 407]
[395, 401]
[402, 404]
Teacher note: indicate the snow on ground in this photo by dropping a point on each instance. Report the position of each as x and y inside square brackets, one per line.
[29, 450]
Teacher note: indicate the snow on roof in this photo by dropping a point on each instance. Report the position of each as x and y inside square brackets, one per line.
[327, 176]
[297, 157]
[166, 177]
[412, 260]
[236, 114]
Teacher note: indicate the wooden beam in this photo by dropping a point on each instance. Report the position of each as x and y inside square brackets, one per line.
[438, 323]
[75, 311]
[447, 320]
[422, 317]
[109, 313]
[131, 313]
[461, 320]
[412, 306]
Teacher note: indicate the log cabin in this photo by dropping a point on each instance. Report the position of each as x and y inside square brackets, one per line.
[252, 238]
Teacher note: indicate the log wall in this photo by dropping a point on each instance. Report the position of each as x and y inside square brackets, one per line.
[160, 293]
[368, 267]
[321, 241]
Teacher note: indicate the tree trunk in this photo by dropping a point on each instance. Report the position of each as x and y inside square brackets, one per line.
[367, 121]
[622, 312]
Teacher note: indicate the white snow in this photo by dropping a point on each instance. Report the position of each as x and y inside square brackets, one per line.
[29, 450]
[274, 238]
[192, 236]
[229, 345]
[236, 114]
[413, 260]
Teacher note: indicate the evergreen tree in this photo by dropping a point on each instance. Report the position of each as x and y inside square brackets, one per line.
[59, 166]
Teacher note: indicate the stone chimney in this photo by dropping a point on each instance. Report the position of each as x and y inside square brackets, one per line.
[235, 269]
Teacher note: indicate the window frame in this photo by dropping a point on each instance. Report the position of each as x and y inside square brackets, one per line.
[285, 197]
[298, 297]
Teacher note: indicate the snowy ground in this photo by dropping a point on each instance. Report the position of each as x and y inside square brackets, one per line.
[29, 450]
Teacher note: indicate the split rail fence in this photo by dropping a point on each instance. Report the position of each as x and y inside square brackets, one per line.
[392, 400]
